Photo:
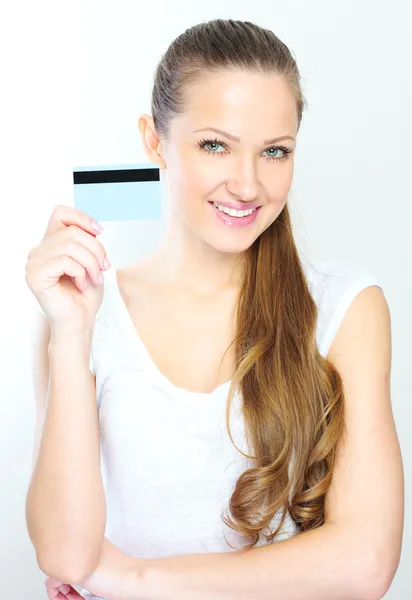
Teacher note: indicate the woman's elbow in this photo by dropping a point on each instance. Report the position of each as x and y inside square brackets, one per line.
[378, 578]
[69, 569]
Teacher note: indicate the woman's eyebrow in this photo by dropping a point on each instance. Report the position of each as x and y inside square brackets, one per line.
[237, 139]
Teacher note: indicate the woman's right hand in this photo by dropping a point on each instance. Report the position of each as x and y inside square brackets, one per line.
[64, 271]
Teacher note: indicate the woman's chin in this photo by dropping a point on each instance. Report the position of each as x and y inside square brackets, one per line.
[231, 245]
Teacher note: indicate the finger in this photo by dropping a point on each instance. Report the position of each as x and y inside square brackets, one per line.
[65, 588]
[73, 595]
[63, 216]
[58, 266]
[87, 240]
[82, 255]
[62, 243]
[45, 275]
[57, 590]
[52, 589]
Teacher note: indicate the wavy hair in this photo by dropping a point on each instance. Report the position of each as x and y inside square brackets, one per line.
[292, 397]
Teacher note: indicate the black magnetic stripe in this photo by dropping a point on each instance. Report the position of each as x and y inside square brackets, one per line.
[116, 176]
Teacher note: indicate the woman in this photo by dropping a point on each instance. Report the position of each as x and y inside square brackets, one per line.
[218, 364]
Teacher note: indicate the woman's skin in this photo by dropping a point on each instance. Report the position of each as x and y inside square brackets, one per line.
[355, 553]
[198, 267]
[200, 255]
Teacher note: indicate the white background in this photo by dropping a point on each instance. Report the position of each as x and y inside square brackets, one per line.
[75, 78]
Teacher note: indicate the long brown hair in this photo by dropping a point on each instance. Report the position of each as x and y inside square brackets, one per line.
[292, 397]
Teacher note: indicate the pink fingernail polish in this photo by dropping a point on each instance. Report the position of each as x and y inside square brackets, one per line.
[97, 227]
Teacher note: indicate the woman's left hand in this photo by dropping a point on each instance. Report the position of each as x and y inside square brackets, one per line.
[57, 590]
[116, 578]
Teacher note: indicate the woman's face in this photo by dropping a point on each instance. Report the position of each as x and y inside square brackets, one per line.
[207, 166]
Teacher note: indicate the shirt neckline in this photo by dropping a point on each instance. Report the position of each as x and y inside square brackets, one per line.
[110, 277]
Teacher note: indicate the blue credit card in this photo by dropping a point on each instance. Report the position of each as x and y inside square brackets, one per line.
[118, 192]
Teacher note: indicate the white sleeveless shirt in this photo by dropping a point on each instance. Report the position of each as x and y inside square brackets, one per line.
[168, 464]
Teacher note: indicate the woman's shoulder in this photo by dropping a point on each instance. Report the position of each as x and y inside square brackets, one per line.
[333, 277]
[334, 285]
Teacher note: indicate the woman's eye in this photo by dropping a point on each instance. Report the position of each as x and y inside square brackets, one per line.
[276, 153]
[212, 145]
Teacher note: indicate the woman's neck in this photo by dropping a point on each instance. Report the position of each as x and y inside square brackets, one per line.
[200, 272]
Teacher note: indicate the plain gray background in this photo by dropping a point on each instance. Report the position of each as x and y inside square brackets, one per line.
[78, 76]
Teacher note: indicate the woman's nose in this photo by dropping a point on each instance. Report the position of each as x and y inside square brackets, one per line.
[244, 182]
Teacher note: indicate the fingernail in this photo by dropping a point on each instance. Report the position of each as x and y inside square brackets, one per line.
[101, 277]
[97, 227]
[106, 263]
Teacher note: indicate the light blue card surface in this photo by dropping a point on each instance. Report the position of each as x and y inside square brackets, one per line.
[118, 192]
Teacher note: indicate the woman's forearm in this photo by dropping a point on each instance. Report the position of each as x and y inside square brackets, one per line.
[65, 505]
[322, 564]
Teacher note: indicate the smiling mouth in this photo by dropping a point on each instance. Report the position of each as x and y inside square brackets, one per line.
[233, 218]
[233, 212]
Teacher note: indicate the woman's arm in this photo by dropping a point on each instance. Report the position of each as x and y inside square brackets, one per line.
[327, 563]
[355, 554]
[65, 504]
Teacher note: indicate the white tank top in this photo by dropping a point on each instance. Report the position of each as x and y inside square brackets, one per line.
[168, 464]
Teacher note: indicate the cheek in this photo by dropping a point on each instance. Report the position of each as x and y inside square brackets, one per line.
[286, 182]
[200, 179]
[193, 186]
[182, 177]
[190, 171]
[279, 184]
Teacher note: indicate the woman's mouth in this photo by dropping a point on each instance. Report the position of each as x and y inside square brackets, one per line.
[233, 217]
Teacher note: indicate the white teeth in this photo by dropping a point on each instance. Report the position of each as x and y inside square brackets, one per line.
[233, 212]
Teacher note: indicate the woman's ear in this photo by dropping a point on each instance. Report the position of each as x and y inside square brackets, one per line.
[151, 143]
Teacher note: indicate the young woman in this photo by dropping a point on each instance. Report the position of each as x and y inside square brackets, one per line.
[242, 391]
